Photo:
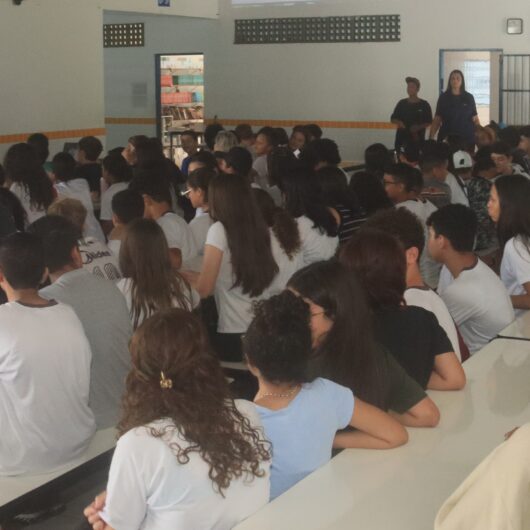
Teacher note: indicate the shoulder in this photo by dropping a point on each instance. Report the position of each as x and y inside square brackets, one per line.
[171, 219]
[216, 230]
[248, 410]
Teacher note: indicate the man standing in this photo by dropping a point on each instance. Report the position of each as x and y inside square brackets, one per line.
[412, 115]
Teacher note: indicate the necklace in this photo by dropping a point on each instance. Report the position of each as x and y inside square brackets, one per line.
[281, 394]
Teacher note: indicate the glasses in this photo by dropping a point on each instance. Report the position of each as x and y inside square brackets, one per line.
[317, 313]
[388, 182]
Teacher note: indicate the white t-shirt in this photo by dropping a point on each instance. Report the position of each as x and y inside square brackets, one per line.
[106, 199]
[316, 245]
[125, 286]
[115, 246]
[478, 302]
[199, 227]
[430, 269]
[22, 194]
[98, 259]
[458, 195]
[515, 267]
[78, 189]
[178, 234]
[149, 489]
[429, 300]
[287, 266]
[44, 388]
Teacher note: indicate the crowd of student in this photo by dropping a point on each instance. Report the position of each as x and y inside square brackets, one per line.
[347, 295]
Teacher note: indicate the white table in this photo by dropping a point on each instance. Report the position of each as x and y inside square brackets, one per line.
[402, 489]
[519, 328]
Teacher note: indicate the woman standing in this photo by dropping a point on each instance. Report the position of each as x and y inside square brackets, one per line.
[456, 112]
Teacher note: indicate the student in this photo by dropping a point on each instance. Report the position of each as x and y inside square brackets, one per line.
[474, 295]
[238, 265]
[89, 149]
[376, 158]
[238, 161]
[370, 192]
[190, 145]
[509, 210]
[96, 256]
[44, 368]
[188, 456]
[100, 307]
[411, 334]
[299, 139]
[408, 229]
[403, 185]
[116, 175]
[224, 141]
[149, 283]
[320, 153]
[246, 136]
[129, 153]
[318, 224]
[67, 185]
[127, 205]
[501, 154]
[314, 131]
[27, 180]
[344, 348]
[300, 416]
[157, 206]
[262, 147]
[41, 146]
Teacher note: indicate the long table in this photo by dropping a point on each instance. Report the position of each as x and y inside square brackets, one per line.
[402, 489]
[518, 329]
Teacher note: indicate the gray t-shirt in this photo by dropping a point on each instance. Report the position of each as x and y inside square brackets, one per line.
[102, 310]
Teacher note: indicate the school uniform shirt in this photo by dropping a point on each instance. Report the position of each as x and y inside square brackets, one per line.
[45, 358]
[439, 193]
[103, 312]
[125, 287]
[149, 489]
[106, 199]
[316, 244]
[411, 113]
[515, 267]
[457, 113]
[458, 192]
[302, 433]
[32, 212]
[287, 265]
[430, 301]
[78, 189]
[478, 302]
[98, 259]
[414, 337]
[429, 268]
[114, 246]
[178, 234]
[199, 227]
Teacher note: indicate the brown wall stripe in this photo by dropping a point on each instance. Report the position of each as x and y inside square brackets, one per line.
[53, 135]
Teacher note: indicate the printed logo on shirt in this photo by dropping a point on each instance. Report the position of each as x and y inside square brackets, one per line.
[89, 257]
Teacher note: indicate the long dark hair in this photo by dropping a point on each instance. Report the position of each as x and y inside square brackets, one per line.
[514, 200]
[335, 190]
[22, 165]
[348, 354]
[283, 225]
[462, 87]
[232, 203]
[174, 375]
[303, 196]
[370, 192]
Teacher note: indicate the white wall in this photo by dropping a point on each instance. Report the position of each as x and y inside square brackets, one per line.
[183, 8]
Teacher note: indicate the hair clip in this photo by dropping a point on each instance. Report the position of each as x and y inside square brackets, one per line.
[164, 382]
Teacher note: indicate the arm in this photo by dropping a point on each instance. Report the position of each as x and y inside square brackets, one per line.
[106, 226]
[435, 126]
[91, 512]
[376, 429]
[447, 374]
[522, 301]
[204, 282]
[399, 123]
[175, 256]
[476, 121]
[423, 414]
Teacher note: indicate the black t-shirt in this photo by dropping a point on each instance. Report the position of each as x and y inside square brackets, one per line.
[414, 337]
[457, 114]
[411, 114]
[92, 174]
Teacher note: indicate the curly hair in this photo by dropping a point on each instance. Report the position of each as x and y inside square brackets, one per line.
[197, 400]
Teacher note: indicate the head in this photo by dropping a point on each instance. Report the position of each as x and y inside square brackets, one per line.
[150, 154]
[210, 133]
[224, 141]
[511, 135]
[280, 137]
[299, 138]
[41, 146]
[198, 182]
[456, 82]
[462, 163]
[378, 259]
[320, 153]
[127, 205]
[265, 141]
[501, 154]
[22, 265]
[89, 150]
[376, 158]
[71, 209]
[452, 229]
[279, 161]
[174, 375]
[202, 159]
[413, 86]
[60, 240]
[370, 192]
[115, 169]
[190, 142]
[402, 182]
[335, 190]
[524, 139]
[238, 161]
[154, 189]
[314, 132]
[434, 165]
[484, 167]
[245, 134]
[277, 343]
[63, 167]
[129, 153]
[484, 136]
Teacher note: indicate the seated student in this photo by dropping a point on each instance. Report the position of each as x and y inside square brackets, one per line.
[41, 146]
[434, 169]
[89, 149]
[407, 228]
[403, 185]
[501, 154]
[299, 139]
[96, 256]
[27, 180]
[44, 368]
[188, 456]
[344, 347]
[376, 158]
[301, 416]
[116, 175]
[370, 192]
[474, 295]
[129, 152]
[190, 145]
[411, 334]
[509, 208]
[99, 305]
[157, 206]
[320, 153]
[127, 205]
[69, 186]
[318, 224]
[263, 145]
[314, 132]
[224, 141]
[150, 284]
[246, 137]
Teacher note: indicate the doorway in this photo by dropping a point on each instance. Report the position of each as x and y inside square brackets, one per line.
[481, 69]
